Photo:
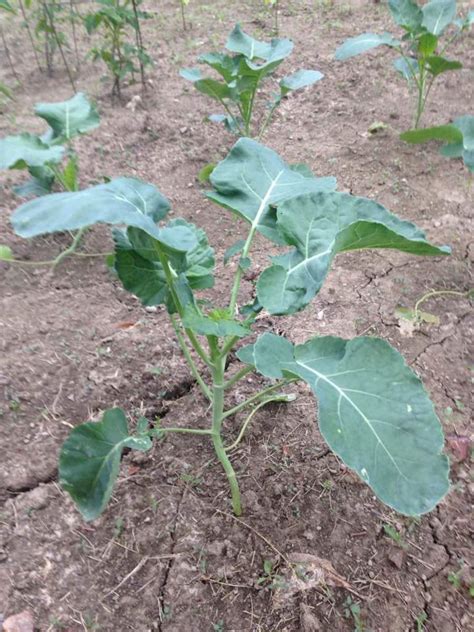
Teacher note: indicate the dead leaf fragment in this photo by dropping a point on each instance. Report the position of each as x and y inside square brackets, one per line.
[460, 446]
[306, 572]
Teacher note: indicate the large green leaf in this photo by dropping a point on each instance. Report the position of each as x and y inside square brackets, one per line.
[122, 201]
[319, 226]
[210, 87]
[253, 179]
[299, 79]
[225, 65]
[69, 118]
[362, 43]
[240, 42]
[89, 462]
[137, 262]
[406, 13]
[447, 133]
[438, 14]
[27, 150]
[373, 412]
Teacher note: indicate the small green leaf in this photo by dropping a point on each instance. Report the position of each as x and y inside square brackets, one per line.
[299, 79]
[362, 43]
[6, 253]
[447, 133]
[27, 150]
[406, 13]
[69, 118]
[373, 412]
[205, 173]
[240, 42]
[437, 15]
[233, 250]
[407, 67]
[427, 44]
[89, 462]
[70, 174]
[6, 6]
[437, 65]
[216, 324]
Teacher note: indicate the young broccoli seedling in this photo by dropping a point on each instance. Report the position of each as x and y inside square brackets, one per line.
[373, 410]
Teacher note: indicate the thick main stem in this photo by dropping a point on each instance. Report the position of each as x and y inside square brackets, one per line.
[217, 418]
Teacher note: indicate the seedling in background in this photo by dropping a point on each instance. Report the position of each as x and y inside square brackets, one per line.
[394, 535]
[115, 19]
[352, 611]
[458, 136]
[422, 46]
[242, 74]
[373, 410]
[50, 158]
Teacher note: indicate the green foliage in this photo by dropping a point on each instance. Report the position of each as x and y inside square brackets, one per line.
[459, 136]
[373, 410]
[6, 6]
[419, 64]
[241, 76]
[91, 454]
[42, 155]
[115, 19]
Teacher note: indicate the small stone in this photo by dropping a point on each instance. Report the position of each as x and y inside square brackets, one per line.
[21, 622]
[396, 556]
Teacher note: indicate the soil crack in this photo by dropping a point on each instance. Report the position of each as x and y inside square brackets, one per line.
[170, 563]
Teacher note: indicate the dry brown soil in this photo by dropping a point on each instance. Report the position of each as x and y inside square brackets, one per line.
[167, 554]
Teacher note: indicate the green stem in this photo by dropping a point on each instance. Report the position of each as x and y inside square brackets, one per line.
[276, 398]
[192, 365]
[269, 118]
[170, 281]
[421, 96]
[69, 251]
[438, 293]
[259, 395]
[217, 419]
[238, 376]
[199, 431]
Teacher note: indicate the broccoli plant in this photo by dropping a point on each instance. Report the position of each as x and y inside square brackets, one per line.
[115, 18]
[50, 158]
[373, 410]
[42, 155]
[242, 74]
[458, 136]
[422, 47]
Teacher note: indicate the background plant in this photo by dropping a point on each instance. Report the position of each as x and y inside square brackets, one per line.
[458, 137]
[241, 77]
[50, 158]
[373, 410]
[115, 19]
[422, 47]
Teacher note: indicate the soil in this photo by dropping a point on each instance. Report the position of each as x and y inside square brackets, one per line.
[168, 554]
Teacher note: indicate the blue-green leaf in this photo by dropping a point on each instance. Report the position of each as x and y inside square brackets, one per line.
[69, 118]
[240, 42]
[253, 179]
[373, 412]
[89, 462]
[362, 43]
[319, 226]
[121, 201]
[406, 13]
[438, 14]
[299, 79]
[27, 150]
[447, 133]
[408, 67]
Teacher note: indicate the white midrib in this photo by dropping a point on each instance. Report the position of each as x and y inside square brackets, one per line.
[342, 394]
[67, 123]
[260, 212]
